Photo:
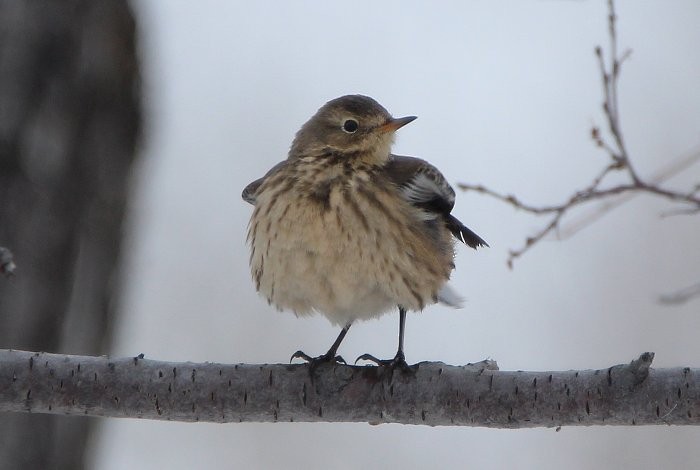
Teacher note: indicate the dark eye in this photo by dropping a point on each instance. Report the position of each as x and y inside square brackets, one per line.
[350, 126]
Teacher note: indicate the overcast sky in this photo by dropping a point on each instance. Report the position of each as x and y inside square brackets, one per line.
[506, 93]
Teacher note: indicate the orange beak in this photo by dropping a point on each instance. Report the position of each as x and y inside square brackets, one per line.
[395, 123]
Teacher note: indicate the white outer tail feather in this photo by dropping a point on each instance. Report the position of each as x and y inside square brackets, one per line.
[450, 297]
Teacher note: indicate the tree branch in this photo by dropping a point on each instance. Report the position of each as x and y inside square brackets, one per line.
[681, 296]
[432, 393]
[619, 161]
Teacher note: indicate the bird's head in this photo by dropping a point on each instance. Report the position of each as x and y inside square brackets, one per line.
[353, 124]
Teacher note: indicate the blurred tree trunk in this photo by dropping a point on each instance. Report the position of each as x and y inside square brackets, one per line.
[69, 124]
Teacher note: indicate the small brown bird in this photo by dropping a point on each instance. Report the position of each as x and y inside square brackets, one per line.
[344, 228]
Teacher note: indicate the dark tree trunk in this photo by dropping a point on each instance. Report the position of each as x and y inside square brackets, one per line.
[69, 124]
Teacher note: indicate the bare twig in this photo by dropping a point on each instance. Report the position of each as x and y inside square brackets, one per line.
[664, 173]
[619, 162]
[681, 296]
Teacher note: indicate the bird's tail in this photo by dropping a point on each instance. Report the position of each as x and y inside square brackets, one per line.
[464, 234]
[450, 297]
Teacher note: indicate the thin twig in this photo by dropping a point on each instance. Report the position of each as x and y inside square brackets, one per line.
[664, 173]
[619, 161]
[681, 296]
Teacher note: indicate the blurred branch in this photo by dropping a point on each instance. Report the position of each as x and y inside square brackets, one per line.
[431, 393]
[671, 169]
[619, 162]
[7, 264]
[681, 296]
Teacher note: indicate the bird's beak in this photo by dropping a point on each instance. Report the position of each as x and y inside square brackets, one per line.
[396, 123]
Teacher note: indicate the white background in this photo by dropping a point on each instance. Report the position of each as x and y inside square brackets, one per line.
[506, 93]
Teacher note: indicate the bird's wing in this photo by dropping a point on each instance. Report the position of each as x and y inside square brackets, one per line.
[425, 187]
[248, 194]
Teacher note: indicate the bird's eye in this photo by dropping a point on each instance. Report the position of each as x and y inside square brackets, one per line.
[350, 126]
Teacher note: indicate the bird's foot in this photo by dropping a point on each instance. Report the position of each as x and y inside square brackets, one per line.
[398, 362]
[329, 357]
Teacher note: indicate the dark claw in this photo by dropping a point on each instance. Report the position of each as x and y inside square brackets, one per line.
[371, 358]
[315, 361]
[340, 360]
[398, 362]
[301, 355]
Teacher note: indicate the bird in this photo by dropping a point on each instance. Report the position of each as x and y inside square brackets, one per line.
[346, 229]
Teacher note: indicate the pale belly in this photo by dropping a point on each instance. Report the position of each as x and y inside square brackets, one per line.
[347, 261]
[341, 285]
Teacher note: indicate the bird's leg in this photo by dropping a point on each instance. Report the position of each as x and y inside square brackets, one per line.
[330, 356]
[400, 359]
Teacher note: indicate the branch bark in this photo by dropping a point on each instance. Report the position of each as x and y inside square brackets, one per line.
[432, 393]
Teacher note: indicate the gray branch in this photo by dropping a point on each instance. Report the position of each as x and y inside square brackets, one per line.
[431, 393]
